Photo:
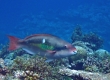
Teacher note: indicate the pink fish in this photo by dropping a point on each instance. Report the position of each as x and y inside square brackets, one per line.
[46, 45]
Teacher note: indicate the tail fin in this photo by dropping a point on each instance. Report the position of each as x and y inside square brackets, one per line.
[13, 43]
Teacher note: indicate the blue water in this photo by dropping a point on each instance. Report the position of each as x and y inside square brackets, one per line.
[59, 17]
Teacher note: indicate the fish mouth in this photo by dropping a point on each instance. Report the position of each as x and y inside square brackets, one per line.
[74, 52]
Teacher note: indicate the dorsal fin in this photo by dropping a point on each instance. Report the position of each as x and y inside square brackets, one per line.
[34, 35]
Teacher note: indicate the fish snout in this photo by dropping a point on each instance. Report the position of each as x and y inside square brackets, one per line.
[73, 50]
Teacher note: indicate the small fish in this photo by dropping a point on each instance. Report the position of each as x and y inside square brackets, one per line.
[46, 45]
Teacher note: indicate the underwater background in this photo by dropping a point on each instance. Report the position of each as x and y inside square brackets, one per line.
[59, 17]
[83, 23]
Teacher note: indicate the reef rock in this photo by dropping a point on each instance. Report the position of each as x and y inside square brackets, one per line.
[83, 75]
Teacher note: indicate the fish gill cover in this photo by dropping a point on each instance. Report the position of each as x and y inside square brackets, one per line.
[59, 17]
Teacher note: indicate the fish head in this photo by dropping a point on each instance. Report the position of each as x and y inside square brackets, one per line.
[72, 50]
[68, 51]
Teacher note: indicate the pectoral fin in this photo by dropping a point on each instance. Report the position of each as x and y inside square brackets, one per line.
[49, 60]
[51, 52]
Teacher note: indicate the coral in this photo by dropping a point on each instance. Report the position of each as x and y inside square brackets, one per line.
[102, 54]
[81, 53]
[2, 77]
[94, 41]
[77, 34]
[83, 45]
[92, 68]
[3, 70]
[78, 59]
[8, 62]
[22, 66]
[95, 63]
[2, 63]
[26, 75]
[34, 68]
[28, 67]
[4, 51]
[6, 54]
[89, 60]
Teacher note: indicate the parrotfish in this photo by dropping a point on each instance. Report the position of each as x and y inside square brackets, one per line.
[46, 45]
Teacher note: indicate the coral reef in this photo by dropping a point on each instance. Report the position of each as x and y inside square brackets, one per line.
[34, 68]
[18, 65]
[78, 59]
[89, 59]
[28, 67]
[98, 62]
[95, 62]
[3, 70]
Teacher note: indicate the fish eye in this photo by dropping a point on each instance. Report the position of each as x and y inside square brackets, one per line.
[61, 48]
[65, 46]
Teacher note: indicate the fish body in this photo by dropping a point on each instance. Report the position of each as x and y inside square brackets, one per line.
[46, 45]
